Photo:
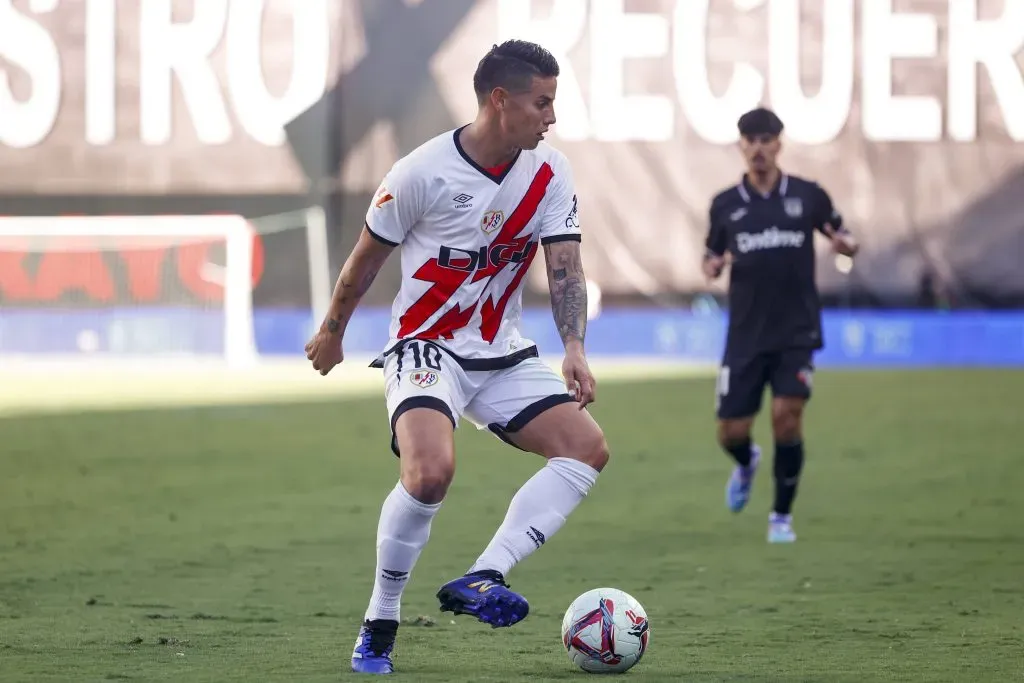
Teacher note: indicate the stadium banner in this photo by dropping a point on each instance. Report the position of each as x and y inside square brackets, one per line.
[853, 339]
[910, 114]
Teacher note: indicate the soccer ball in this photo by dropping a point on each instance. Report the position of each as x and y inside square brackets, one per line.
[605, 630]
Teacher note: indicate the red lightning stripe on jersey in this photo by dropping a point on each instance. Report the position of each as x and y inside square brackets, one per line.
[445, 282]
[491, 313]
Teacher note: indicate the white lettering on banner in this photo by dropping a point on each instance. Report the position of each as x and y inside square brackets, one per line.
[176, 49]
[100, 71]
[713, 118]
[27, 45]
[885, 35]
[559, 33]
[169, 51]
[888, 117]
[624, 35]
[818, 119]
[262, 115]
[609, 107]
[993, 44]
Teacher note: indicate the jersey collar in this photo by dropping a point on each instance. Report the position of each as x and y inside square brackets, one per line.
[747, 191]
[480, 169]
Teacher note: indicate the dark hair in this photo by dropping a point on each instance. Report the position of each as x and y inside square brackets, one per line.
[760, 121]
[512, 65]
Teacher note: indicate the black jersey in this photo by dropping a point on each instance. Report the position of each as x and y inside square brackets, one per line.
[773, 296]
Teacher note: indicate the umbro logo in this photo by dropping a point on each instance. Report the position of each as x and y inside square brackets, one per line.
[462, 200]
[395, 575]
[536, 536]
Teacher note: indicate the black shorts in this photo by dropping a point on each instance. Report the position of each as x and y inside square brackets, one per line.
[742, 379]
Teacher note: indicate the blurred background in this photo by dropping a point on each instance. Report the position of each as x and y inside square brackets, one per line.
[287, 114]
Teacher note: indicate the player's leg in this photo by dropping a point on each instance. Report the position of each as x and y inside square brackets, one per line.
[424, 404]
[528, 407]
[791, 389]
[739, 389]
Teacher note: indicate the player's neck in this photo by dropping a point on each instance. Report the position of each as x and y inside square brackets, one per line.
[764, 182]
[482, 142]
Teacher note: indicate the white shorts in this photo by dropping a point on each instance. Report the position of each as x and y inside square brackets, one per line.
[419, 374]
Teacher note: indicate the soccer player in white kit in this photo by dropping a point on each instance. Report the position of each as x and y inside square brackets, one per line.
[469, 210]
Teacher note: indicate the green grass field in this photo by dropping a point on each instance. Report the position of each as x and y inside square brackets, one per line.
[235, 542]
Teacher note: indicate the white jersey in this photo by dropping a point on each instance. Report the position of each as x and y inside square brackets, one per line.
[467, 239]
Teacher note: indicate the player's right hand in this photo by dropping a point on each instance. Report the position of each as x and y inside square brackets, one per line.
[324, 350]
[713, 266]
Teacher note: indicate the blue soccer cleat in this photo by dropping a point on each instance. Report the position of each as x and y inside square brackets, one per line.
[737, 490]
[486, 596]
[372, 654]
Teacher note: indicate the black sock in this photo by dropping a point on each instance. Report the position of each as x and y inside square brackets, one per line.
[789, 460]
[740, 452]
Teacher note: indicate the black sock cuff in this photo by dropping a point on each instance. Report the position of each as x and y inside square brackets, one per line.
[740, 451]
[791, 447]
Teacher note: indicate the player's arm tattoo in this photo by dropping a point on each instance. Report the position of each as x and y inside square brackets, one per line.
[568, 287]
[357, 275]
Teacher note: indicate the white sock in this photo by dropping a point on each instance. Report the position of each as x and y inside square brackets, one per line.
[402, 532]
[537, 511]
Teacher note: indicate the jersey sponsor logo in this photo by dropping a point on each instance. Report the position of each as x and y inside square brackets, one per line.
[423, 378]
[488, 258]
[573, 220]
[491, 221]
[772, 238]
[793, 206]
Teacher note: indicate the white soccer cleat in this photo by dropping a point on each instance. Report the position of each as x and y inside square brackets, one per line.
[780, 528]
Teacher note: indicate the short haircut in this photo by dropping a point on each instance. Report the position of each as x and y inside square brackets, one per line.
[512, 66]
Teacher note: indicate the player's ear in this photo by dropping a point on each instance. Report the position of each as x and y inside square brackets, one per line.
[499, 98]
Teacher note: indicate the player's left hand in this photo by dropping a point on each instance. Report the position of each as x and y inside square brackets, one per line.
[579, 380]
[842, 242]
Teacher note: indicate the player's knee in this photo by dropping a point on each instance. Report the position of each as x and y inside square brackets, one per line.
[733, 432]
[786, 423]
[597, 453]
[589, 448]
[427, 472]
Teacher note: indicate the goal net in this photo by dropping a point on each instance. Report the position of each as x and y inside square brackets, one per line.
[127, 287]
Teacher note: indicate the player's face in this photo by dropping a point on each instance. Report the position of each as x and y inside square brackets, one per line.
[760, 152]
[526, 116]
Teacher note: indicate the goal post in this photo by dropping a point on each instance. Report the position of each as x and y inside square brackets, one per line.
[72, 243]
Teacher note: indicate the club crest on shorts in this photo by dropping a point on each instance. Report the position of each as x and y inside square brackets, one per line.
[806, 377]
[794, 207]
[423, 378]
[491, 221]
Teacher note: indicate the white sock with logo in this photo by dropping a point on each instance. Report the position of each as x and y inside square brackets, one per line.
[402, 531]
[537, 511]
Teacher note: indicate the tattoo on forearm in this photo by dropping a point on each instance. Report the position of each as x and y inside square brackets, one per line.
[347, 293]
[357, 288]
[568, 293]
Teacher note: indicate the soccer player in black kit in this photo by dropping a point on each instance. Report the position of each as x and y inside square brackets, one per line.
[765, 227]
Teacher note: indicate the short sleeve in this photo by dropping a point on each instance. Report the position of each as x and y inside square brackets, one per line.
[826, 212]
[398, 204]
[717, 240]
[561, 216]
